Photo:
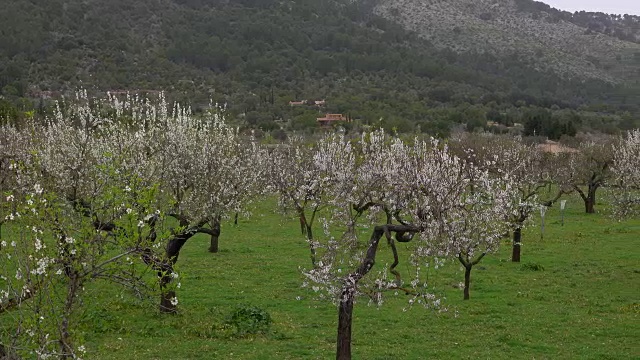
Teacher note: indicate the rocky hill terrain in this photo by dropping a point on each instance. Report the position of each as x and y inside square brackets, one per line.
[541, 38]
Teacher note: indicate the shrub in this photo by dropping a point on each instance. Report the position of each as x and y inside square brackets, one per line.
[249, 320]
[531, 267]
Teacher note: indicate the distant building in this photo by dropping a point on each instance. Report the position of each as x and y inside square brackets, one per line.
[555, 148]
[134, 92]
[328, 119]
[45, 94]
[297, 103]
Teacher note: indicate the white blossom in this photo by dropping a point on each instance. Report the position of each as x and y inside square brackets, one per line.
[626, 174]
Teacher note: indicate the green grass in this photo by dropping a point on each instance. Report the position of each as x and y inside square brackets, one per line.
[574, 296]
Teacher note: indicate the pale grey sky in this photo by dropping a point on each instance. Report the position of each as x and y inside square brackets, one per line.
[631, 7]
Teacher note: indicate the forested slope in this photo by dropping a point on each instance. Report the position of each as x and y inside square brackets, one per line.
[361, 56]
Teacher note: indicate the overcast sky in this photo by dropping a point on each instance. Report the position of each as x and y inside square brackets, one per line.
[606, 6]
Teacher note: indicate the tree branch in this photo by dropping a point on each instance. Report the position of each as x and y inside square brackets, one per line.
[478, 259]
[463, 261]
[370, 257]
[115, 258]
[14, 302]
[582, 195]
[360, 208]
[204, 230]
[550, 203]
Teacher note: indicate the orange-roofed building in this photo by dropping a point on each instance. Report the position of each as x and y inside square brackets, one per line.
[328, 119]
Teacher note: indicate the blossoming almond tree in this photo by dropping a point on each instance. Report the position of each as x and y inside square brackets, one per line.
[104, 173]
[12, 148]
[204, 168]
[446, 206]
[54, 252]
[626, 175]
[463, 209]
[77, 217]
[370, 190]
[210, 170]
[335, 159]
[588, 168]
[305, 176]
[531, 170]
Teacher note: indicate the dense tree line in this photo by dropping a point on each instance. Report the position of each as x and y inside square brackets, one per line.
[256, 56]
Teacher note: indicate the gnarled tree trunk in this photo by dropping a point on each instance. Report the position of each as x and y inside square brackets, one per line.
[66, 346]
[590, 200]
[307, 231]
[215, 234]
[345, 309]
[590, 197]
[164, 265]
[467, 281]
[312, 247]
[303, 222]
[468, 265]
[168, 302]
[345, 319]
[517, 237]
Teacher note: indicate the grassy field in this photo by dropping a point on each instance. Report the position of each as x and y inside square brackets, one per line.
[576, 295]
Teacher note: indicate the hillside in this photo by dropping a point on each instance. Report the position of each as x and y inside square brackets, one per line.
[375, 60]
[501, 27]
[508, 28]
